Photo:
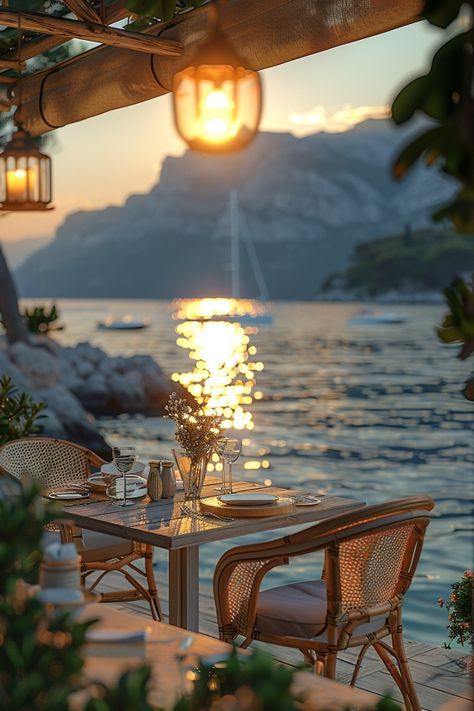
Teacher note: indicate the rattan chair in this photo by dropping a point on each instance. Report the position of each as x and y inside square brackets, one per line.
[56, 462]
[370, 557]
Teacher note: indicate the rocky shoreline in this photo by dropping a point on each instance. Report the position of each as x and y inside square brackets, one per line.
[81, 382]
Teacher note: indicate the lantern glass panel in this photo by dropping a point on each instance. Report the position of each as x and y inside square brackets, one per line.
[217, 107]
[45, 180]
[17, 179]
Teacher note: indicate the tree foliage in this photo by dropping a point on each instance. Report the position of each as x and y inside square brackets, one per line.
[445, 96]
[413, 261]
[154, 10]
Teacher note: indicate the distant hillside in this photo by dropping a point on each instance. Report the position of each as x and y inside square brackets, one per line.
[307, 203]
[17, 251]
[411, 262]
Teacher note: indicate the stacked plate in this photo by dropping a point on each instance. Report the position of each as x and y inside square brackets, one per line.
[248, 499]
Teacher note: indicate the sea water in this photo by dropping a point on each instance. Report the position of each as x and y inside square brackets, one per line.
[370, 412]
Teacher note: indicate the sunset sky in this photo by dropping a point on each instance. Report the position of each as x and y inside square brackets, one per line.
[103, 160]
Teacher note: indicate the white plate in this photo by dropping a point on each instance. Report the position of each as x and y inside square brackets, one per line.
[67, 495]
[136, 488]
[308, 501]
[110, 468]
[97, 482]
[249, 499]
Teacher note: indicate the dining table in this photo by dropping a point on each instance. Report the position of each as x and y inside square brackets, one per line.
[168, 525]
[119, 641]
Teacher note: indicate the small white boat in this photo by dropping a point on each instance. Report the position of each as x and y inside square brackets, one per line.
[376, 318]
[126, 323]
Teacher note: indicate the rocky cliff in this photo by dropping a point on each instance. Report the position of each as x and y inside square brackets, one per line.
[306, 203]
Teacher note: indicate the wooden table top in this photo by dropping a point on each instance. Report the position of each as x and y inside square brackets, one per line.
[107, 661]
[163, 524]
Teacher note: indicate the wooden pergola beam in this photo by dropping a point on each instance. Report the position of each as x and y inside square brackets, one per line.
[266, 33]
[34, 47]
[83, 11]
[90, 32]
[115, 11]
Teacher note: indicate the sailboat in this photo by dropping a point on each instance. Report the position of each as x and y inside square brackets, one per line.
[239, 230]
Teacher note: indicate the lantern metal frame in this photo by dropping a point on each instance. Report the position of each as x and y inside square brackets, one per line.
[22, 153]
[216, 53]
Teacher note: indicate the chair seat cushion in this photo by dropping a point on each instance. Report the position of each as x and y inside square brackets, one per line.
[101, 546]
[295, 610]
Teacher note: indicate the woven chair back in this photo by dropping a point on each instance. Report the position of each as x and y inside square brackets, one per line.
[369, 566]
[54, 462]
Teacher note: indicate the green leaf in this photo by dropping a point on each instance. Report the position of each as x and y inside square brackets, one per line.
[442, 12]
[433, 140]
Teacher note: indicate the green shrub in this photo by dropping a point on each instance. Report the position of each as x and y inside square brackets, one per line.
[39, 319]
[41, 657]
[19, 413]
[459, 607]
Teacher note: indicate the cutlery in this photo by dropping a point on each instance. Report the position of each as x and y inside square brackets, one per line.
[204, 516]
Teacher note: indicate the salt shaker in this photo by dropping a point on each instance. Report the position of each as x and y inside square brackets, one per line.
[154, 485]
[168, 480]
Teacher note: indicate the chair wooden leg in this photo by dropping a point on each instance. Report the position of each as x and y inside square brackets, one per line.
[399, 647]
[358, 663]
[384, 652]
[150, 578]
[330, 665]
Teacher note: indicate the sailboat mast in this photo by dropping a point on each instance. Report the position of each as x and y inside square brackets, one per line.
[234, 242]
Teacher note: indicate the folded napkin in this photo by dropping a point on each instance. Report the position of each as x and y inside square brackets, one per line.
[108, 636]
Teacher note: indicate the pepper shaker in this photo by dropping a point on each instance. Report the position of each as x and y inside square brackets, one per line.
[154, 485]
[168, 480]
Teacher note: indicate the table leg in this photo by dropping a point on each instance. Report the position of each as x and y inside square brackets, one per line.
[183, 588]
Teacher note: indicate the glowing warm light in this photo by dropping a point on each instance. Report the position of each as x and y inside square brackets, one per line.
[210, 309]
[216, 116]
[223, 377]
[320, 119]
[17, 181]
[217, 100]
[267, 482]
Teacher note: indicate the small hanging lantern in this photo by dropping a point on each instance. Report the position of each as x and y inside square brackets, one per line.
[25, 175]
[217, 100]
[25, 172]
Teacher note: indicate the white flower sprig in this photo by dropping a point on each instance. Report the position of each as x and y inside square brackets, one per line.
[196, 432]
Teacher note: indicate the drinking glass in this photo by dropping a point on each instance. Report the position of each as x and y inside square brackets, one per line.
[231, 453]
[124, 459]
[219, 447]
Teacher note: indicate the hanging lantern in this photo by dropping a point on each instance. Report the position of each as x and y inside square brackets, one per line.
[217, 101]
[25, 175]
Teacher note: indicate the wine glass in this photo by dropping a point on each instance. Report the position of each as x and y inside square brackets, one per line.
[220, 447]
[124, 459]
[231, 453]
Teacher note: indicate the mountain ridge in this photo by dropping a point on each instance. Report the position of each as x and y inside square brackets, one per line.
[307, 202]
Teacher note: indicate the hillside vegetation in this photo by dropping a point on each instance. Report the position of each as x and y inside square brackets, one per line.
[423, 260]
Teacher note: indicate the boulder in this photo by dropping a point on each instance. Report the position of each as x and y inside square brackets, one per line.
[38, 365]
[93, 392]
[126, 392]
[8, 368]
[76, 423]
[76, 381]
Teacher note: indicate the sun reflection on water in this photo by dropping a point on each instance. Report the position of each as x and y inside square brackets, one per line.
[223, 377]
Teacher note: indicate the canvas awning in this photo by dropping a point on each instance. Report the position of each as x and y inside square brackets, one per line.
[128, 67]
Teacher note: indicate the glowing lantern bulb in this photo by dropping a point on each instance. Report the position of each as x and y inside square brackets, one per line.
[217, 100]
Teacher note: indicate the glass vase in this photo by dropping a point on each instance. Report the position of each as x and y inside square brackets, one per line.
[193, 473]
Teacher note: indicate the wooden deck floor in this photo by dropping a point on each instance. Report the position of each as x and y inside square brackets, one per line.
[439, 674]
